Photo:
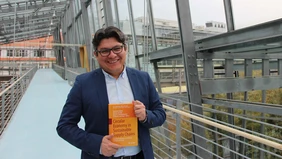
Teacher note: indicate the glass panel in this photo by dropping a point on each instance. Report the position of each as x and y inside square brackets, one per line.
[95, 16]
[82, 37]
[208, 19]
[90, 17]
[258, 11]
[143, 34]
[166, 25]
[126, 28]
[76, 3]
[79, 5]
[78, 30]
[114, 12]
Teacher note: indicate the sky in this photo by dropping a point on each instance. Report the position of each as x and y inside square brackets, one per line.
[245, 12]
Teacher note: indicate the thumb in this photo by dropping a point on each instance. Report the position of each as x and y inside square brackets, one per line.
[109, 137]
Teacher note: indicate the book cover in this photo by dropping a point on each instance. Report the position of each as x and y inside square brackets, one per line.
[123, 124]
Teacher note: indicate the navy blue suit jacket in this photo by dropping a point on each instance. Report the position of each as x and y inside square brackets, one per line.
[88, 98]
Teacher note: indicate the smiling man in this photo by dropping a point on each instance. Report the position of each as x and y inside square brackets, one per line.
[113, 82]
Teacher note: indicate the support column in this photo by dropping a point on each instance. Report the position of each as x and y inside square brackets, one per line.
[69, 21]
[191, 75]
[133, 34]
[157, 76]
[116, 13]
[209, 73]
[229, 15]
[154, 43]
[229, 73]
[108, 15]
[87, 33]
[15, 18]
[152, 26]
[265, 72]
[248, 69]
[279, 67]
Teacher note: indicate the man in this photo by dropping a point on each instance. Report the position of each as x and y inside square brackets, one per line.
[113, 82]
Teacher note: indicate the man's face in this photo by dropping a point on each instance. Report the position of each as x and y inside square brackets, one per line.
[113, 63]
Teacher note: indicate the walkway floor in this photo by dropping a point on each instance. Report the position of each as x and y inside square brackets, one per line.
[31, 133]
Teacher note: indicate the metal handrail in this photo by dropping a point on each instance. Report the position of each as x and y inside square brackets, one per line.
[223, 127]
[170, 147]
[12, 94]
[10, 86]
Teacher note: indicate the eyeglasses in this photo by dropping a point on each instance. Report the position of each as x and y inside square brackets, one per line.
[106, 52]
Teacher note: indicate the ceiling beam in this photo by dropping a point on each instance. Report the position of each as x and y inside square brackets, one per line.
[27, 37]
[22, 19]
[30, 9]
[42, 29]
[30, 25]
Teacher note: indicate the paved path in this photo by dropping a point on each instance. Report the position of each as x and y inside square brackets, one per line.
[31, 133]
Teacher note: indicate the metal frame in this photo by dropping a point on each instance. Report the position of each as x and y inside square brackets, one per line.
[25, 13]
[216, 86]
[190, 65]
[108, 15]
[87, 33]
[133, 32]
[30, 20]
[264, 36]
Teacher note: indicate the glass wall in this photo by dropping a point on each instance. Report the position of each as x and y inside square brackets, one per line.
[258, 11]
[166, 24]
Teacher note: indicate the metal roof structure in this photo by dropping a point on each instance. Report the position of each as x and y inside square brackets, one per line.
[22, 20]
[221, 93]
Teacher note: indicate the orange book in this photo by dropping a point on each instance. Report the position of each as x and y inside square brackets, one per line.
[123, 124]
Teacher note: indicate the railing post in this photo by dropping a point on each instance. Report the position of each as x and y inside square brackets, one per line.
[167, 141]
[65, 72]
[12, 95]
[22, 85]
[178, 130]
[20, 69]
[3, 106]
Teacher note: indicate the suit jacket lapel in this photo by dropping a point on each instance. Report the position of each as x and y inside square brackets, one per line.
[133, 82]
[101, 90]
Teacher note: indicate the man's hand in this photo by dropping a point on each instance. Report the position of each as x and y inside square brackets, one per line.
[107, 147]
[140, 110]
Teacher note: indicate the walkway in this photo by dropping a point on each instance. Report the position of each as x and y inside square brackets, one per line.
[31, 133]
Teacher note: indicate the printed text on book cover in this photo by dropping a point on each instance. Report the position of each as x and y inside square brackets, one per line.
[123, 124]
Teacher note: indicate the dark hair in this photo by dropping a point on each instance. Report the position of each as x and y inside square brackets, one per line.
[108, 32]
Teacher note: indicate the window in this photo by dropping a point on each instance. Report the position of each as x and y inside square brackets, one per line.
[17, 53]
[208, 24]
[35, 54]
[39, 53]
[10, 53]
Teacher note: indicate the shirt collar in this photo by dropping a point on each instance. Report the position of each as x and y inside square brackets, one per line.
[122, 75]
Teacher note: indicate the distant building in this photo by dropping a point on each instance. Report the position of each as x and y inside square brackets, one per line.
[167, 35]
[169, 28]
[31, 51]
[214, 26]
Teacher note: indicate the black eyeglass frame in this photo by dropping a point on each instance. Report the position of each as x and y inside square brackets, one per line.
[106, 52]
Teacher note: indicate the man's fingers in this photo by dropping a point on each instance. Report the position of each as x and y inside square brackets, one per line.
[115, 146]
[139, 111]
[109, 148]
[111, 144]
[109, 137]
[138, 105]
[137, 102]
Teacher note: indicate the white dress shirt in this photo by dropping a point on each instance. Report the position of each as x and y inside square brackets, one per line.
[119, 91]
